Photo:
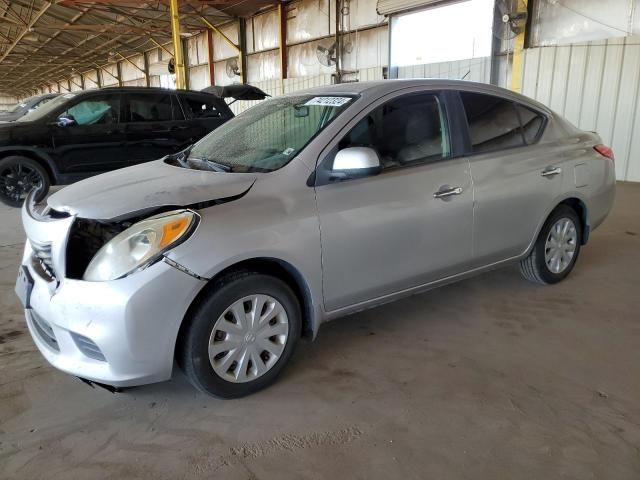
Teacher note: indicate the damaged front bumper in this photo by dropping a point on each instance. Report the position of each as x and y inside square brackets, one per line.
[119, 333]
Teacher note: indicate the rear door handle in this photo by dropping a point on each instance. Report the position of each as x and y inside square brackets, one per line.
[551, 171]
[447, 192]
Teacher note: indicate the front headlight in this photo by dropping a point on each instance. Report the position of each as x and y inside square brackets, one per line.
[139, 245]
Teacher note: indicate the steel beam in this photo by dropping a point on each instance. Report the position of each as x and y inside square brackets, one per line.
[518, 54]
[177, 45]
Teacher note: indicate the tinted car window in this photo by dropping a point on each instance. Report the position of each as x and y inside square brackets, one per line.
[532, 123]
[493, 122]
[97, 110]
[150, 108]
[200, 107]
[406, 130]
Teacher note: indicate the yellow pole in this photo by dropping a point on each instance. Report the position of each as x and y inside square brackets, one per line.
[518, 57]
[177, 45]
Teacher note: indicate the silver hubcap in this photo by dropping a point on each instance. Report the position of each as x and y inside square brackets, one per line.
[561, 245]
[248, 338]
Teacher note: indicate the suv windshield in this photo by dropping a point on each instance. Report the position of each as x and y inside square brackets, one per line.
[44, 110]
[267, 136]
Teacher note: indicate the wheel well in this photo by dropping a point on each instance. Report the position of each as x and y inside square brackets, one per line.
[581, 209]
[33, 156]
[270, 266]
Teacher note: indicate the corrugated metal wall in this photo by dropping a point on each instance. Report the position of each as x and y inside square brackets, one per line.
[7, 102]
[595, 85]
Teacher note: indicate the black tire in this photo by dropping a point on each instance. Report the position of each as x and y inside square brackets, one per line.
[18, 175]
[534, 267]
[192, 350]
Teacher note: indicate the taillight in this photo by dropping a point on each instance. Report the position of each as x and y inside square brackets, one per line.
[604, 151]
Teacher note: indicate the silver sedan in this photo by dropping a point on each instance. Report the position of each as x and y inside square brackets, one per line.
[303, 209]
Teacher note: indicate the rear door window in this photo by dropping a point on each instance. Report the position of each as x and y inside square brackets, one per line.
[150, 108]
[493, 122]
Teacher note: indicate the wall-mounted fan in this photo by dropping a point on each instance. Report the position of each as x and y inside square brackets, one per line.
[510, 19]
[232, 69]
[326, 56]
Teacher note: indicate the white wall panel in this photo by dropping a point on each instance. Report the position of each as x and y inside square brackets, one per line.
[309, 19]
[594, 85]
[199, 77]
[221, 48]
[263, 66]
[473, 69]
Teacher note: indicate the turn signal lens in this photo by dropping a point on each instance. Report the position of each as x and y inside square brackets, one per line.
[174, 230]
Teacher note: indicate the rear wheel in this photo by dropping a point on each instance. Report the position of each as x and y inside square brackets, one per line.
[556, 249]
[240, 338]
[18, 176]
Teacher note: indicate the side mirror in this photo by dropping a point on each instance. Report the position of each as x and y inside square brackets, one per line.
[65, 121]
[355, 162]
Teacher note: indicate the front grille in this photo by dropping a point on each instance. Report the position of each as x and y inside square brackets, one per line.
[42, 259]
[88, 347]
[44, 330]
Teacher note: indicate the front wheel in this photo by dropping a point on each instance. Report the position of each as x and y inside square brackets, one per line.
[18, 176]
[556, 249]
[240, 337]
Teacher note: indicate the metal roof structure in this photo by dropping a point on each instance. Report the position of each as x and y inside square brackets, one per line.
[43, 41]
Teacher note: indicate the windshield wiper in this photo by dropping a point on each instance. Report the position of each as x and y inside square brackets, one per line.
[215, 166]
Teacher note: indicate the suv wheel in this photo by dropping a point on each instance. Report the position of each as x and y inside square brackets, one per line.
[556, 250]
[18, 176]
[240, 337]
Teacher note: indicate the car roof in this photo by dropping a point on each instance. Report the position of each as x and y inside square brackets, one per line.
[379, 88]
[142, 89]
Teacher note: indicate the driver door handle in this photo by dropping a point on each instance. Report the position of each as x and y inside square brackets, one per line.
[448, 192]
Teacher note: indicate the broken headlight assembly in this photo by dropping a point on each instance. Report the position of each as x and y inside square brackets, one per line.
[140, 245]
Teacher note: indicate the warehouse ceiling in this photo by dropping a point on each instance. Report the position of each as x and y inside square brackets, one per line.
[43, 41]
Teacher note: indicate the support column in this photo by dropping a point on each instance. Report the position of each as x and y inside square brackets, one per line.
[119, 72]
[98, 78]
[282, 17]
[145, 63]
[518, 54]
[212, 68]
[177, 45]
[242, 37]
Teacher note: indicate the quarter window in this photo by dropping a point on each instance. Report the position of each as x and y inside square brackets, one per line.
[493, 122]
[532, 123]
[404, 131]
[199, 108]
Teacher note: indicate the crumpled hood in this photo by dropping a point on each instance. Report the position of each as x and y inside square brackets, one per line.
[121, 193]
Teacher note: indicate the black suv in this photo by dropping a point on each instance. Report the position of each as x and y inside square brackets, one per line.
[78, 135]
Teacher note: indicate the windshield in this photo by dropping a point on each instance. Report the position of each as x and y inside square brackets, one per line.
[44, 110]
[267, 136]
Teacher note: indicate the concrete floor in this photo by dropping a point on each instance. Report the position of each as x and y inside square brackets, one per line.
[490, 378]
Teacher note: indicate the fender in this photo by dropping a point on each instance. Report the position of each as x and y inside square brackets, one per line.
[37, 154]
[557, 201]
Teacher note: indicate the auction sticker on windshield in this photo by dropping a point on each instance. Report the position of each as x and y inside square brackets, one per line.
[328, 101]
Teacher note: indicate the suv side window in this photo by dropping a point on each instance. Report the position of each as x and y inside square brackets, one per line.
[404, 131]
[532, 123]
[96, 110]
[150, 108]
[493, 122]
[198, 107]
